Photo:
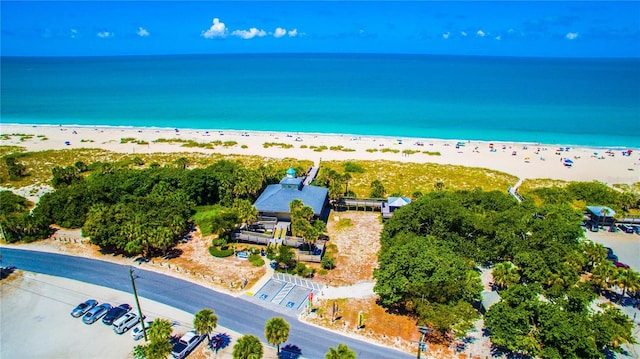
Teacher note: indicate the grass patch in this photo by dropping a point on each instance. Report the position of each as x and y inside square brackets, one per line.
[408, 178]
[372, 150]
[319, 148]
[432, 153]
[341, 148]
[392, 150]
[256, 260]
[276, 144]
[169, 140]
[229, 143]
[409, 152]
[133, 140]
[304, 146]
[244, 146]
[203, 217]
[344, 223]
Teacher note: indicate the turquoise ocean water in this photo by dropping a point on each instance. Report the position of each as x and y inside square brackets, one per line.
[592, 102]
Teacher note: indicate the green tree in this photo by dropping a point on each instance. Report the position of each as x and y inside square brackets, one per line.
[159, 345]
[247, 347]
[16, 169]
[603, 275]
[505, 275]
[276, 331]
[377, 189]
[628, 280]
[245, 210]
[205, 321]
[612, 328]
[285, 256]
[341, 352]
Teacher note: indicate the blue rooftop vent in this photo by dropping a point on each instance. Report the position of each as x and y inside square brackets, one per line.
[291, 173]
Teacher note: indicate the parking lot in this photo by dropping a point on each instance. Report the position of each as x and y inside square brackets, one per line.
[625, 245]
[35, 319]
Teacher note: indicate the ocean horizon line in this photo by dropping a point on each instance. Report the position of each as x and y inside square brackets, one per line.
[301, 133]
[320, 54]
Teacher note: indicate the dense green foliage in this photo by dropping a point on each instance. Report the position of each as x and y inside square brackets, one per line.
[428, 255]
[16, 223]
[523, 323]
[587, 194]
[145, 211]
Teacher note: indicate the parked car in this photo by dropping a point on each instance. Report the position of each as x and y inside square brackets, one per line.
[96, 313]
[610, 255]
[126, 322]
[116, 313]
[620, 265]
[625, 228]
[636, 228]
[137, 332]
[186, 344]
[83, 307]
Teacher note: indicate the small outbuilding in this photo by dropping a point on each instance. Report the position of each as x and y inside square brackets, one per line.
[392, 204]
[602, 215]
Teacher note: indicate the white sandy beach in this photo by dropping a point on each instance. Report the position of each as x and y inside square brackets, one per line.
[525, 161]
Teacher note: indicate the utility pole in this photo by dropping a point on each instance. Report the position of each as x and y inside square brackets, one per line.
[421, 343]
[135, 294]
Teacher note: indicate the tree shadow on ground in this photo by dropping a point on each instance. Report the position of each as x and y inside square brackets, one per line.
[172, 253]
[290, 351]
[6, 271]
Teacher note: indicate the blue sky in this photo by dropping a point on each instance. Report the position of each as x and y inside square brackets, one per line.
[499, 28]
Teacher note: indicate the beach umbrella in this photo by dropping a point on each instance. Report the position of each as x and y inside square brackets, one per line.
[566, 160]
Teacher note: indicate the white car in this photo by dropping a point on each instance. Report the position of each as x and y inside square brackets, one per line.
[126, 322]
[136, 332]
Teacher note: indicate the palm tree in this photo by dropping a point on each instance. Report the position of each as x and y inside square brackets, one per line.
[158, 349]
[342, 352]
[182, 163]
[247, 347]
[276, 331]
[159, 329]
[505, 275]
[205, 321]
[594, 251]
[602, 275]
[629, 280]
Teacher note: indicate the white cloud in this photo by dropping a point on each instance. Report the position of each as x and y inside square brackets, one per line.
[498, 37]
[463, 33]
[249, 34]
[571, 35]
[105, 34]
[142, 32]
[446, 35]
[293, 33]
[480, 33]
[73, 33]
[218, 29]
[280, 32]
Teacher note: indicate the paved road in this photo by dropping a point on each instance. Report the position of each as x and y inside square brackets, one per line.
[234, 313]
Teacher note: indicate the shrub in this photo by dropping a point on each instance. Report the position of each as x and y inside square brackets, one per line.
[353, 167]
[271, 253]
[220, 253]
[256, 260]
[328, 262]
[219, 242]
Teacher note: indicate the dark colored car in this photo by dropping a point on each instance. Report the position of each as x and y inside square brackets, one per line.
[636, 229]
[625, 228]
[83, 307]
[592, 226]
[610, 255]
[115, 313]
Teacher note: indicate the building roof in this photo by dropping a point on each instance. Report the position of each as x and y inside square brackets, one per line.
[600, 211]
[489, 299]
[398, 201]
[277, 197]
